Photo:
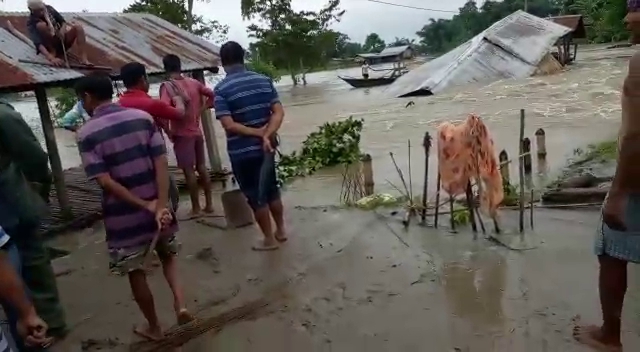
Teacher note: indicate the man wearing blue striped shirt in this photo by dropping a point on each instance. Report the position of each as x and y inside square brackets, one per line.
[249, 109]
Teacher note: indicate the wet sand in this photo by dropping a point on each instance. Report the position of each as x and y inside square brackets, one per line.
[355, 287]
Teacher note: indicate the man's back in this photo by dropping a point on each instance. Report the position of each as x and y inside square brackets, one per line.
[247, 97]
[122, 142]
[194, 89]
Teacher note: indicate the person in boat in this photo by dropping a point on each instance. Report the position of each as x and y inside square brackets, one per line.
[52, 35]
[365, 70]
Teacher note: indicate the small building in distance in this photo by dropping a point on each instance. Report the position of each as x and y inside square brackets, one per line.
[567, 46]
[391, 54]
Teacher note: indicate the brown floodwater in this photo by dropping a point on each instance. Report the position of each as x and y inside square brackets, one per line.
[576, 107]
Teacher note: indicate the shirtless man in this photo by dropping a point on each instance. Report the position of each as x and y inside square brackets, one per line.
[52, 35]
[618, 242]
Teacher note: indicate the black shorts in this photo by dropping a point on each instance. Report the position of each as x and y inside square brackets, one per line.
[366, 76]
[256, 177]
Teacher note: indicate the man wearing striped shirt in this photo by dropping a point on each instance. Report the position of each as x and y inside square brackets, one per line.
[123, 150]
[249, 109]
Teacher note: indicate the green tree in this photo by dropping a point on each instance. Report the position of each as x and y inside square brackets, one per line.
[295, 41]
[179, 13]
[373, 43]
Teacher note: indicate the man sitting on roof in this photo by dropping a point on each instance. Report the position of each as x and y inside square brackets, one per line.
[52, 35]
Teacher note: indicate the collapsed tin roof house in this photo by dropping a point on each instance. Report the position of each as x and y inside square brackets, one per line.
[113, 39]
[510, 48]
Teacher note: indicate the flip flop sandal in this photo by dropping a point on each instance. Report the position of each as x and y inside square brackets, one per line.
[263, 248]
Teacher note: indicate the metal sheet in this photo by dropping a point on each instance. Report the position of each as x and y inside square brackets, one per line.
[112, 41]
[510, 48]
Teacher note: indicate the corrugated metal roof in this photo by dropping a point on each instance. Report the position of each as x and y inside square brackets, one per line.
[394, 50]
[112, 40]
[510, 48]
[387, 52]
[574, 22]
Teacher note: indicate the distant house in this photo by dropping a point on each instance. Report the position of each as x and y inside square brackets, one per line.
[566, 45]
[392, 54]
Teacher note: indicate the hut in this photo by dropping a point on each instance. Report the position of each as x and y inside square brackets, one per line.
[112, 41]
[567, 46]
[391, 54]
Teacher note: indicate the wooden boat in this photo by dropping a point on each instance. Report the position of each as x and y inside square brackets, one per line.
[366, 83]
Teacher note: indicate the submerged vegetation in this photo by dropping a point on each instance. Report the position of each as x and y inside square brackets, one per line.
[334, 143]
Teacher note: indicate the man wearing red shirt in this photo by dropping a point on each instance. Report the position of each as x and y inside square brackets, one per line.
[134, 77]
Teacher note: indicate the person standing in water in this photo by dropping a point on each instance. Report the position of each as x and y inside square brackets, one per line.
[192, 97]
[618, 240]
[365, 70]
[249, 109]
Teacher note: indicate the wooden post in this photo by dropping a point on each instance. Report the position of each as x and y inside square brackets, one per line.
[367, 171]
[426, 143]
[209, 132]
[526, 158]
[541, 143]
[504, 166]
[471, 206]
[521, 170]
[52, 150]
[435, 221]
[452, 220]
[531, 209]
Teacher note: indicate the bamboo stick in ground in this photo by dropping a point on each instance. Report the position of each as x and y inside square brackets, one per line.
[426, 143]
[531, 209]
[471, 207]
[521, 170]
[435, 221]
[453, 222]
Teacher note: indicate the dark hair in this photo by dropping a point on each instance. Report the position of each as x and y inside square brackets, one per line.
[132, 73]
[96, 84]
[231, 53]
[172, 63]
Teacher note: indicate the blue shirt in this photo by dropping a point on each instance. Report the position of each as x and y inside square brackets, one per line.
[247, 97]
[73, 117]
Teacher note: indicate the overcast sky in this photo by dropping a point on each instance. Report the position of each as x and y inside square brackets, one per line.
[361, 18]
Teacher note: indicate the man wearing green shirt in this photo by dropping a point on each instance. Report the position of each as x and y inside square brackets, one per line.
[25, 181]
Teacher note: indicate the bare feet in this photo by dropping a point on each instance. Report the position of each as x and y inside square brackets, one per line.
[208, 212]
[266, 245]
[591, 335]
[184, 317]
[193, 214]
[149, 333]
[280, 236]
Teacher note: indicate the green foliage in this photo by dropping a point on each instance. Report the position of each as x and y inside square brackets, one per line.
[606, 18]
[264, 68]
[65, 100]
[333, 144]
[177, 12]
[373, 43]
[461, 217]
[295, 41]
[511, 195]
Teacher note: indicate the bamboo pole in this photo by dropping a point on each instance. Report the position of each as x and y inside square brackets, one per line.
[438, 181]
[426, 143]
[521, 170]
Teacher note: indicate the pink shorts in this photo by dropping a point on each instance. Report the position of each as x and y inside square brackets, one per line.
[189, 151]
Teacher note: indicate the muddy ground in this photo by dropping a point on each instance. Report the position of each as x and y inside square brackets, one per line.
[354, 285]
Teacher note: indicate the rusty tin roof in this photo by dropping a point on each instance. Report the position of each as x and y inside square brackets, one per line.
[573, 22]
[113, 39]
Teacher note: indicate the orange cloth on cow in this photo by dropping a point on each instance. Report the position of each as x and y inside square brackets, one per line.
[465, 151]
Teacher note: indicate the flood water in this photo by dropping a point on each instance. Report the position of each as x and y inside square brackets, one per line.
[576, 107]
